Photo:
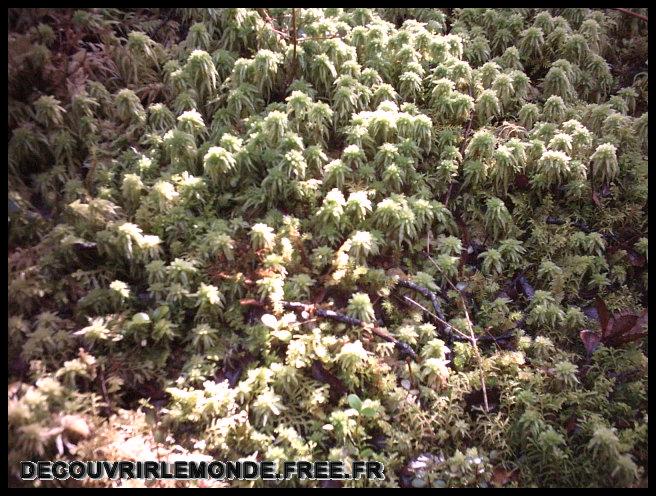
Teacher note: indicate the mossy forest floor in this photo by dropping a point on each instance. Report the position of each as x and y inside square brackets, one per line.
[417, 236]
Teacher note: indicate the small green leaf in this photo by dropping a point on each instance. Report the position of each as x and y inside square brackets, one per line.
[366, 453]
[354, 402]
[285, 336]
[368, 411]
[140, 318]
[269, 320]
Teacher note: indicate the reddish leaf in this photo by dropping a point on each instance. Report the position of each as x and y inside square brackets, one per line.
[604, 315]
[245, 302]
[591, 340]
[501, 476]
[521, 181]
[643, 320]
[571, 424]
[616, 330]
[622, 423]
[626, 327]
[622, 322]
[596, 200]
[635, 259]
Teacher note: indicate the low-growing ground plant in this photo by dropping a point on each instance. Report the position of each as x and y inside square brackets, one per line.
[410, 235]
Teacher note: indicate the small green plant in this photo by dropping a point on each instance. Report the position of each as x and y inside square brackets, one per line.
[360, 307]
[411, 235]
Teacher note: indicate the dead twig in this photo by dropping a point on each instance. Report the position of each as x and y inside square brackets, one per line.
[103, 388]
[295, 42]
[320, 38]
[269, 20]
[405, 350]
[581, 226]
[461, 336]
[440, 320]
[473, 338]
[559, 222]
[476, 351]
[429, 295]
[634, 14]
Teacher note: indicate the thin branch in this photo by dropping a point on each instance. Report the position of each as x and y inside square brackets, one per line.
[559, 222]
[284, 35]
[295, 41]
[103, 387]
[473, 336]
[578, 225]
[429, 295]
[265, 15]
[476, 351]
[441, 321]
[403, 348]
[461, 335]
[269, 20]
[634, 14]
[467, 131]
[320, 38]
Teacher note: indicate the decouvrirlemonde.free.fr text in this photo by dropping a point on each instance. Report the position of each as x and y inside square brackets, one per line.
[196, 470]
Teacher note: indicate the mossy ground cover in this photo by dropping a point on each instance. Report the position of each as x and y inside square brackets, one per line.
[417, 236]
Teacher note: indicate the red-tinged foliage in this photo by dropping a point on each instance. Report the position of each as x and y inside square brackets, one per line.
[522, 182]
[615, 330]
[502, 476]
[591, 340]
